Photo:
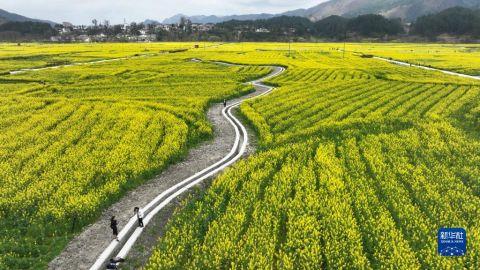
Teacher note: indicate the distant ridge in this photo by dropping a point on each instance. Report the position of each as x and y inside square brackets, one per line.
[408, 10]
[148, 21]
[405, 9]
[218, 19]
[6, 16]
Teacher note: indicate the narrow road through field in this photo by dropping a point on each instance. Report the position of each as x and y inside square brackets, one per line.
[98, 61]
[427, 68]
[94, 246]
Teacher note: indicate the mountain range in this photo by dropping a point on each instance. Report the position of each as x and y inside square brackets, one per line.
[218, 19]
[408, 10]
[6, 16]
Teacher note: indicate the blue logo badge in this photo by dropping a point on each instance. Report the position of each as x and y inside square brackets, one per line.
[452, 242]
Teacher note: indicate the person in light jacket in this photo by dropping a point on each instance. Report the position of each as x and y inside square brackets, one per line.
[139, 213]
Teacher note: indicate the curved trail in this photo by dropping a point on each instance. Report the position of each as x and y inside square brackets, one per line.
[98, 61]
[428, 68]
[130, 233]
[94, 246]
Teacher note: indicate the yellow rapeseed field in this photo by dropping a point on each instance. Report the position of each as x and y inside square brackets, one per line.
[359, 161]
[74, 139]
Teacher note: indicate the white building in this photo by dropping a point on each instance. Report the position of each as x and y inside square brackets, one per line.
[262, 30]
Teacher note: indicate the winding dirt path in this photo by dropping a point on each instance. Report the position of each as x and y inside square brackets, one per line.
[92, 62]
[85, 249]
[401, 63]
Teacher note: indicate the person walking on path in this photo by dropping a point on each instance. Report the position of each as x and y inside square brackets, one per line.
[224, 103]
[114, 227]
[139, 213]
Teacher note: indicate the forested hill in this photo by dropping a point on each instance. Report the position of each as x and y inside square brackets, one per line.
[406, 9]
[453, 21]
[6, 16]
[456, 22]
[336, 27]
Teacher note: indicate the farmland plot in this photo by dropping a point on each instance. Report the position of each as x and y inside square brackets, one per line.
[74, 139]
[361, 163]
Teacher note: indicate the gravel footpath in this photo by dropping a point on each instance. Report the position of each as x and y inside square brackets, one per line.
[85, 248]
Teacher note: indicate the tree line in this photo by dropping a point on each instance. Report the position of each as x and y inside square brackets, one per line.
[13, 31]
[455, 21]
[334, 27]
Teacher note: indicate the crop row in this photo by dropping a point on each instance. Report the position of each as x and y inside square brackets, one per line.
[74, 139]
[355, 172]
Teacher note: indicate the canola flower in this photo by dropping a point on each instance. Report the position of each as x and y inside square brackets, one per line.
[360, 163]
[74, 139]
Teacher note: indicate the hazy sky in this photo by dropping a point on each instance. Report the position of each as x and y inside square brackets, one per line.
[83, 11]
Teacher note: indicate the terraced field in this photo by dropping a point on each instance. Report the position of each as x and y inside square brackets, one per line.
[361, 163]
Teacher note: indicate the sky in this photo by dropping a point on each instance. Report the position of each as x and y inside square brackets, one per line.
[83, 11]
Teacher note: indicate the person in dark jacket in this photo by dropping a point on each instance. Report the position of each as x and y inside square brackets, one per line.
[224, 103]
[139, 214]
[112, 264]
[114, 227]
